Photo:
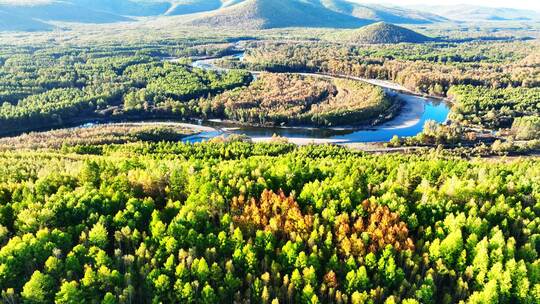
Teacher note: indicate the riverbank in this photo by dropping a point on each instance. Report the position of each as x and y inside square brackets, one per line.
[208, 63]
[101, 134]
[415, 111]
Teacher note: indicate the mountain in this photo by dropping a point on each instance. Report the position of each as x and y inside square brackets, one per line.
[372, 12]
[127, 7]
[35, 15]
[60, 11]
[265, 14]
[11, 22]
[250, 14]
[481, 14]
[384, 13]
[83, 11]
[24, 15]
[185, 7]
[381, 33]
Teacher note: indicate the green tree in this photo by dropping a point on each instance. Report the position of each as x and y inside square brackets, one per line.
[39, 289]
[98, 236]
[451, 247]
[70, 293]
[208, 295]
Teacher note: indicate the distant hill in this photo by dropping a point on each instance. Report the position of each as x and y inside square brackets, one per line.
[35, 14]
[377, 12]
[249, 14]
[371, 12]
[382, 33]
[128, 7]
[185, 7]
[64, 11]
[11, 22]
[481, 14]
[265, 14]
[85, 11]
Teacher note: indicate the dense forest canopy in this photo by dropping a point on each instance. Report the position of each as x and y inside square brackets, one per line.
[228, 222]
[425, 68]
[128, 213]
[494, 107]
[307, 100]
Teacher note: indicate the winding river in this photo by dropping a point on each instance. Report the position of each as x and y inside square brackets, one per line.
[415, 112]
[409, 122]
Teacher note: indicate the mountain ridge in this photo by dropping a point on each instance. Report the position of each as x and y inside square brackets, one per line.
[480, 13]
[265, 14]
[377, 12]
[382, 33]
[35, 15]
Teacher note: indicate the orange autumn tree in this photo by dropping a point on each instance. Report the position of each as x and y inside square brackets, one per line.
[372, 232]
[273, 212]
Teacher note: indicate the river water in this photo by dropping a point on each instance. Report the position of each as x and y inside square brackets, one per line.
[409, 122]
[416, 111]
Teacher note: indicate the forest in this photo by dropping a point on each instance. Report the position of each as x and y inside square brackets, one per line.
[307, 100]
[46, 88]
[425, 68]
[105, 197]
[494, 108]
[119, 133]
[491, 86]
[238, 222]
[489, 83]
[43, 87]
[97, 88]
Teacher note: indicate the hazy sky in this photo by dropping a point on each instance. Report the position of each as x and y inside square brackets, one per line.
[525, 4]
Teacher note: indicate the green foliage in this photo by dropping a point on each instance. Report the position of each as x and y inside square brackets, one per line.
[495, 107]
[45, 87]
[206, 223]
[296, 99]
[170, 83]
[39, 289]
[70, 293]
[382, 33]
[527, 127]
[98, 236]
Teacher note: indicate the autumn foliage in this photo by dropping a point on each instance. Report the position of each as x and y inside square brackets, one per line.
[281, 215]
[273, 212]
[373, 232]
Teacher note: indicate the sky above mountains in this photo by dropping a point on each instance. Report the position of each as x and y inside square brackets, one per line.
[521, 4]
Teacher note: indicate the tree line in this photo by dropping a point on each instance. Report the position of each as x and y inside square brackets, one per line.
[421, 68]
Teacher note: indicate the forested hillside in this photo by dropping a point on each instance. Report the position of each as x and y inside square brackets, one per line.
[372, 11]
[236, 222]
[265, 14]
[382, 33]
